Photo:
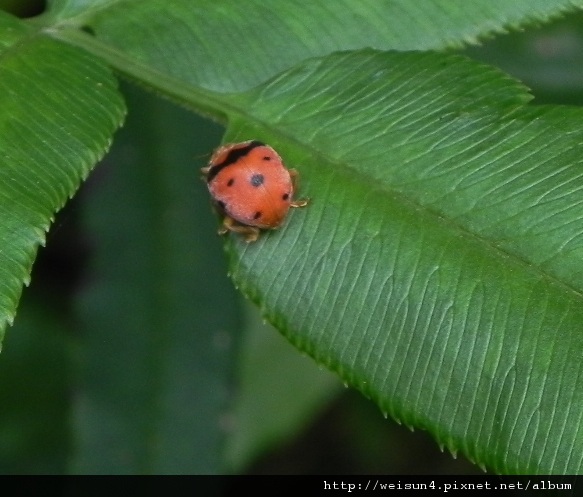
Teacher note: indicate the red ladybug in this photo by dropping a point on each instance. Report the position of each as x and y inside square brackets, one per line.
[251, 187]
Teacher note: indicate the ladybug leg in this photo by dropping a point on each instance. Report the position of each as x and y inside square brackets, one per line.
[294, 175]
[205, 171]
[250, 233]
[299, 203]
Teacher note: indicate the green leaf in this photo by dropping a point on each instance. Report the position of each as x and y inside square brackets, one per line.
[232, 45]
[279, 392]
[160, 314]
[34, 419]
[437, 268]
[59, 107]
[71, 10]
[549, 59]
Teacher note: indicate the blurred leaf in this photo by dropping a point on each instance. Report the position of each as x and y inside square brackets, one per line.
[59, 107]
[279, 392]
[548, 59]
[159, 312]
[35, 379]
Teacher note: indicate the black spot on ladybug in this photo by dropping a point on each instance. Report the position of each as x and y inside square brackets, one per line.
[285, 196]
[231, 182]
[267, 157]
[257, 180]
[257, 215]
[233, 156]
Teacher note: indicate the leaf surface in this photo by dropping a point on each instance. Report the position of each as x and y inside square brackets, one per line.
[437, 267]
[59, 107]
[231, 45]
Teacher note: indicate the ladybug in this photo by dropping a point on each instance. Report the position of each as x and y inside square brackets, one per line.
[251, 187]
